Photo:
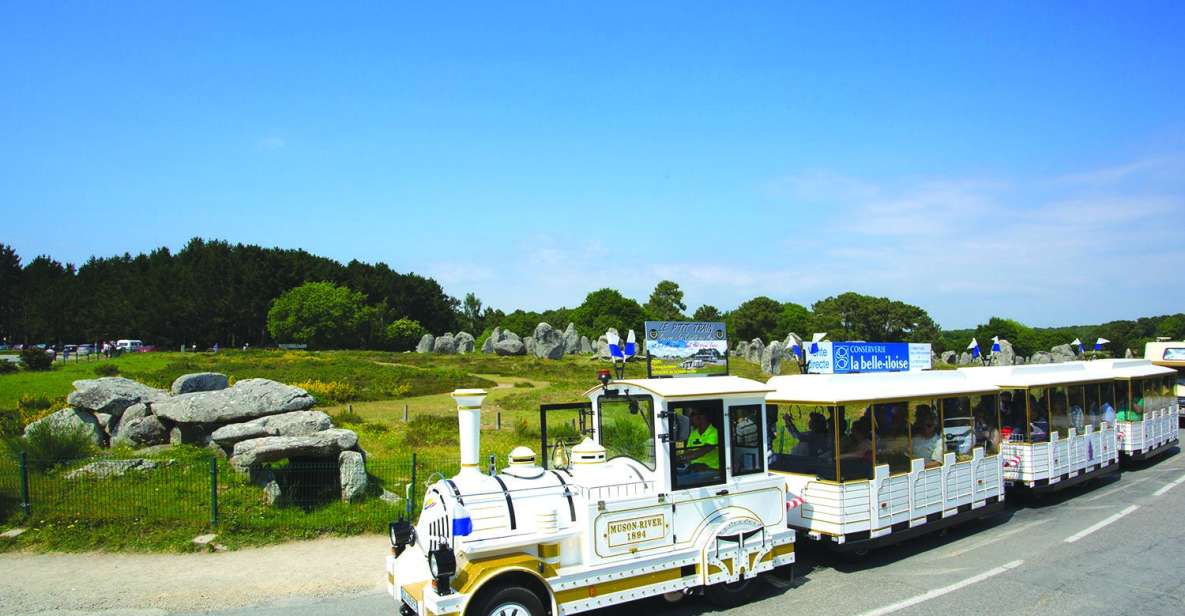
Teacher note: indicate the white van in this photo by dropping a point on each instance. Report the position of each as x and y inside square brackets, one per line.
[129, 346]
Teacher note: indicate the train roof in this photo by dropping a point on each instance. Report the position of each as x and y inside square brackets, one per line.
[1129, 368]
[842, 388]
[694, 387]
[1037, 375]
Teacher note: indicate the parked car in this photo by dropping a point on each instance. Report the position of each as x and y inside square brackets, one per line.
[86, 349]
[128, 345]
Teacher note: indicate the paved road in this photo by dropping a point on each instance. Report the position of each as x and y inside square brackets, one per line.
[1111, 548]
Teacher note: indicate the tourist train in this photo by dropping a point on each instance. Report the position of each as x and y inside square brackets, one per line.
[679, 486]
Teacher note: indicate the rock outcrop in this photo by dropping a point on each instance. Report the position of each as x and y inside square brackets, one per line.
[199, 381]
[296, 423]
[103, 469]
[111, 394]
[771, 359]
[352, 474]
[327, 444]
[585, 346]
[71, 419]
[1062, 353]
[248, 399]
[571, 340]
[426, 344]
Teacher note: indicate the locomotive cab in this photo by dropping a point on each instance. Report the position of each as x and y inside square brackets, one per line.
[651, 487]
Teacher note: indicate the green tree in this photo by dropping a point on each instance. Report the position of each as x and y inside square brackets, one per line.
[756, 318]
[403, 334]
[794, 318]
[471, 315]
[320, 314]
[707, 312]
[607, 308]
[852, 316]
[10, 296]
[666, 302]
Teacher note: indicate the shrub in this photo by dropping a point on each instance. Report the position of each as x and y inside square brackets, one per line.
[429, 430]
[402, 335]
[7, 367]
[36, 359]
[523, 384]
[332, 391]
[50, 444]
[35, 406]
[348, 416]
[106, 370]
[10, 423]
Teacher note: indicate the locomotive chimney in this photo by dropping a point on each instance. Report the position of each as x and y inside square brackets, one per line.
[469, 417]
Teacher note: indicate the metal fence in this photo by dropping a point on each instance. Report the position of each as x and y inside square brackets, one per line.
[191, 494]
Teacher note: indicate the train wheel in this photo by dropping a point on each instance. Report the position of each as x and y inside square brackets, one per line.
[509, 601]
[731, 594]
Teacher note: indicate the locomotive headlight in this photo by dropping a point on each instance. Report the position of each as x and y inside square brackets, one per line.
[443, 565]
[402, 534]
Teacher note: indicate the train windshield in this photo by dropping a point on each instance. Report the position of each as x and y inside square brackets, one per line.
[627, 428]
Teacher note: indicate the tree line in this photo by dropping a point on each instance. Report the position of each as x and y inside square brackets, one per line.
[233, 294]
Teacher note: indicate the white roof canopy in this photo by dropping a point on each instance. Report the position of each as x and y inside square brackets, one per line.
[842, 388]
[693, 387]
[1128, 368]
[1037, 375]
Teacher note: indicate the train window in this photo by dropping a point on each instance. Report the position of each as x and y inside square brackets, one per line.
[627, 426]
[959, 426]
[1059, 411]
[1123, 399]
[699, 461]
[1090, 403]
[1107, 393]
[1166, 391]
[925, 431]
[985, 411]
[1135, 411]
[805, 440]
[1077, 403]
[1014, 415]
[892, 436]
[748, 439]
[1038, 428]
[855, 444]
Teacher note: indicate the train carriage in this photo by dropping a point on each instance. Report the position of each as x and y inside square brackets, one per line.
[1171, 354]
[1056, 423]
[656, 487]
[871, 459]
[1146, 408]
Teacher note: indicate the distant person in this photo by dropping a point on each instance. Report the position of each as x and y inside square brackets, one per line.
[1108, 413]
[215, 347]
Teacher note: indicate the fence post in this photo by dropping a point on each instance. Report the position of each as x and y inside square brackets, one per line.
[25, 483]
[404, 412]
[213, 492]
[411, 496]
[498, 421]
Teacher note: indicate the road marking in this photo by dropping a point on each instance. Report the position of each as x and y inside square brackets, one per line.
[1123, 485]
[1110, 520]
[938, 592]
[1170, 486]
[999, 537]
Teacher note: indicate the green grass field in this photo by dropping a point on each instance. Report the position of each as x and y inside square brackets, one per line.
[162, 510]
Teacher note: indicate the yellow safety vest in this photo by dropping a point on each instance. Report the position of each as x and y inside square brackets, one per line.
[704, 439]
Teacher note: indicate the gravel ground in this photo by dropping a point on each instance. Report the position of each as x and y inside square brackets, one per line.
[149, 584]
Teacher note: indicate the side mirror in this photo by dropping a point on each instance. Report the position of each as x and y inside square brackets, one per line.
[682, 427]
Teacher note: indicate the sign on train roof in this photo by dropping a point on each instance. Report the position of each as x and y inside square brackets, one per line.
[686, 348]
[828, 357]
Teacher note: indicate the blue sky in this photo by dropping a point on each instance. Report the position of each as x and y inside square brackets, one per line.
[1026, 159]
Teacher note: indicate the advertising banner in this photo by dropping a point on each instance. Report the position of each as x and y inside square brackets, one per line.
[848, 357]
[686, 348]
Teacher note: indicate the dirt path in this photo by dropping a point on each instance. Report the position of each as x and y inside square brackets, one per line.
[56, 583]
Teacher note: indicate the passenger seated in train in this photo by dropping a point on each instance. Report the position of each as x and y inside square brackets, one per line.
[816, 441]
[926, 442]
[987, 434]
[855, 450]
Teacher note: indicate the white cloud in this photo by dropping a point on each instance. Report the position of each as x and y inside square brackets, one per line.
[271, 142]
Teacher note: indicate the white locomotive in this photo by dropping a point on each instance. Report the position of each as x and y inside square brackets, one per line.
[662, 490]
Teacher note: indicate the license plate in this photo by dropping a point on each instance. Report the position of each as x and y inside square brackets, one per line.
[409, 600]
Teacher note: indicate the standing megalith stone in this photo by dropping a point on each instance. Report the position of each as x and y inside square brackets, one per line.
[571, 340]
[352, 471]
[445, 344]
[426, 344]
[464, 343]
[549, 342]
